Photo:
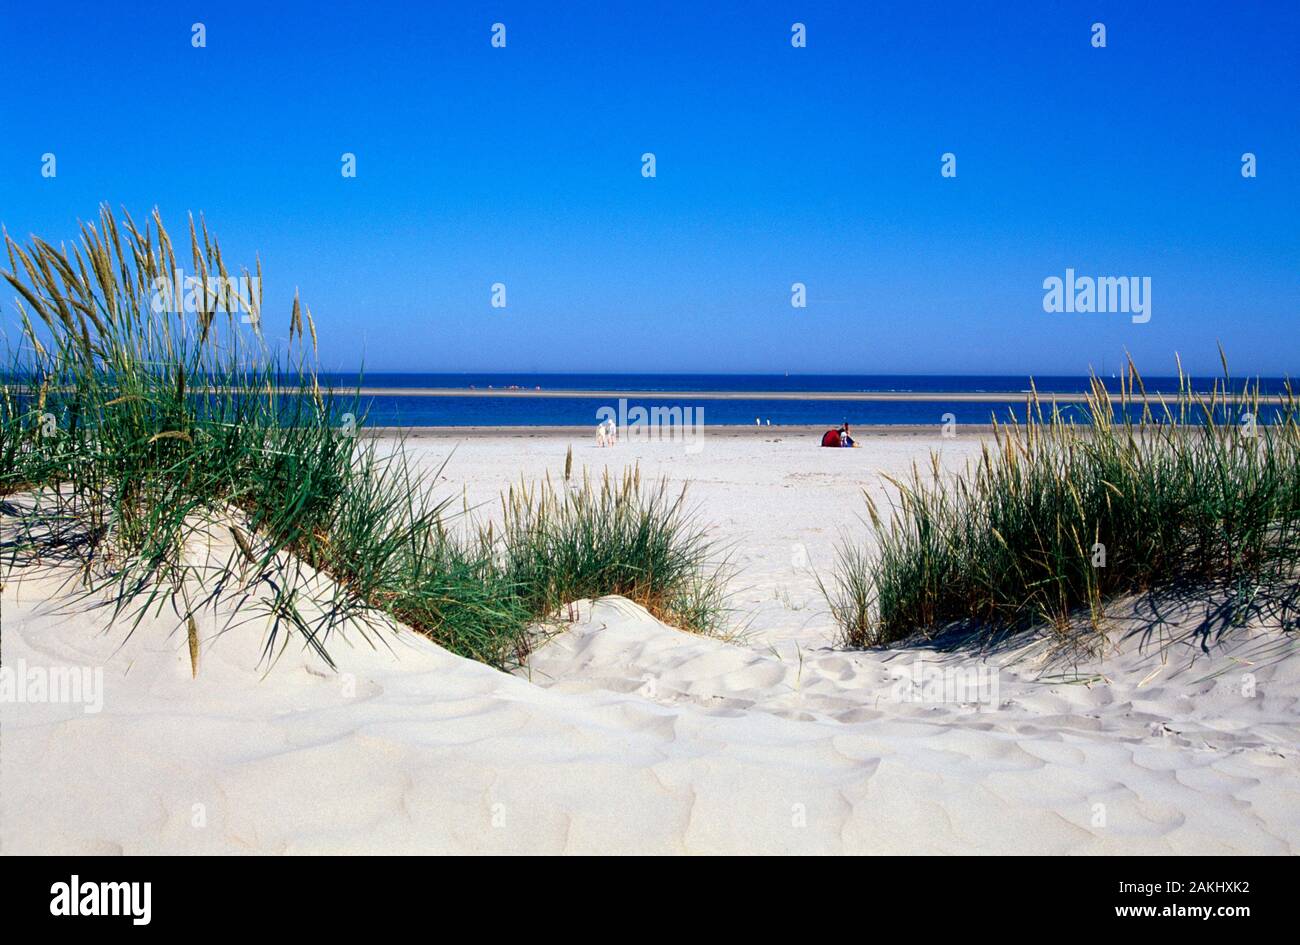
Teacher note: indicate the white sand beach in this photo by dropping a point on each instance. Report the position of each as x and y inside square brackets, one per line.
[623, 735]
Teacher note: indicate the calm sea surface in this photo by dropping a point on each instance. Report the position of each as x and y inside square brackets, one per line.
[397, 410]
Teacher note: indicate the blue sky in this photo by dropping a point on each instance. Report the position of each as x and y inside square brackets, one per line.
[775, 165]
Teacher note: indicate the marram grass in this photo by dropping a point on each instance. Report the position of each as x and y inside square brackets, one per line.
[1057, 518]
[611, 537]
[138, 438]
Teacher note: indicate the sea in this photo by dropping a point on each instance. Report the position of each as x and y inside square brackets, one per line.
[409, 410]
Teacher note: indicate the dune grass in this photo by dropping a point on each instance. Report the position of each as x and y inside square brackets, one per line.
[182, 457]
[610, 538]
[1063, 514]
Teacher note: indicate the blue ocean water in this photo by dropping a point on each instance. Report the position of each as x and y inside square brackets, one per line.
[398, 410]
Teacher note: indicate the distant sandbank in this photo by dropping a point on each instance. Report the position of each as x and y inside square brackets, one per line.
[997, 396]
[748, 431]
[887, 396]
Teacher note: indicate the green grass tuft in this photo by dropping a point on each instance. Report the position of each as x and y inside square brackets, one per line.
[1176, 493]
[614, 537]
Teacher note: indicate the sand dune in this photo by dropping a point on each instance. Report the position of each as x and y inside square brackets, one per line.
[630, 736]
[625, 735]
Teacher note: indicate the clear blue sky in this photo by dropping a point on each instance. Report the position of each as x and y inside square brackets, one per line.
[775, 165]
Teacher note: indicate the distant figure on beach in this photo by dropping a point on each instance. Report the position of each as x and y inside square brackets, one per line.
[606, 432]
[838, 437]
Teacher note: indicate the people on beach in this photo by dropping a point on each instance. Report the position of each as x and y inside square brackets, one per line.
[838, 437]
